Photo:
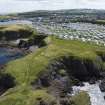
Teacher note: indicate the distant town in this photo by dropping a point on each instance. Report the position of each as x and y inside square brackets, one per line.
[86, 25]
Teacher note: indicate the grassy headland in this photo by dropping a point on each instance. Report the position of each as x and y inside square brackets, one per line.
[78, 59]
[13, 32]
[28, 69]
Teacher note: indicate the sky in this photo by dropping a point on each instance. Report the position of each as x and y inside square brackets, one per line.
[12, 6]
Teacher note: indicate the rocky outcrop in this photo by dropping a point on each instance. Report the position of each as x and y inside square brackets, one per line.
[102, 86]
[6, 82]
[37, 40]
[58, 83]
[78, 68]
[13, 35]
[23, 44]
[65, 72]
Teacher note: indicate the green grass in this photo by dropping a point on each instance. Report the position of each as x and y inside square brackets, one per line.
[27, 69]
[25, 96]
[15, 31]
[6, 17]
[81, 99]
[101, 21]
[14, 27]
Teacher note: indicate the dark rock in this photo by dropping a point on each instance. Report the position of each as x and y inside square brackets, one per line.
[42, 102]
[102, 74]
[92, 81]
[37, 40]
[80, 84]
[2, 67]
[7, 81]
[23, 44]
[45, 80]
[65, 101]
[64, 72]
[75, 81]
[83, 70]
[101, 55]
[102, 86]
[104, 97]
[14, 34]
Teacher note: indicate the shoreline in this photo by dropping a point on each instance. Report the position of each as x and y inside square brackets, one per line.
[13, 51]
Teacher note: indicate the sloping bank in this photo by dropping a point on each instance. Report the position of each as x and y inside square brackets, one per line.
[14, 32]
[51, 71]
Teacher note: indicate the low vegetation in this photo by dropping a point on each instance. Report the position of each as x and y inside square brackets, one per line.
[28, 69]
[6, 17]
[80, 100]
[13, 32]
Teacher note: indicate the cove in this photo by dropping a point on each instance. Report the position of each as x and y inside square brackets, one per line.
[8, 54]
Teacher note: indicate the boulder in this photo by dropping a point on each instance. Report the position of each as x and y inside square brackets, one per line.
[102, 85]
[45, 80]
[102, 74]
[92, 80]
[22, 44]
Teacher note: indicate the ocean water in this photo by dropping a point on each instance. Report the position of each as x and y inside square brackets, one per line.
[6, 55]
[10, 22]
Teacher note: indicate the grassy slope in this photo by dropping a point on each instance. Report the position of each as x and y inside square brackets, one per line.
[14, 27]
[27, 69]
[15, 31]
[25, 96]
[2, 17]
[80, 100]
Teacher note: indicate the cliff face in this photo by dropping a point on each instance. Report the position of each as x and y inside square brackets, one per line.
[13, 32]
[82, 69]
[64, 72]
